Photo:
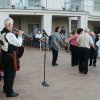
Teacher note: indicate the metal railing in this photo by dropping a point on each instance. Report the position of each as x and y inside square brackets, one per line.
[67, 6]
[80, 7]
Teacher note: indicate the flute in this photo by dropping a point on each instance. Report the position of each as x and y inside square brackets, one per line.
[17, 31]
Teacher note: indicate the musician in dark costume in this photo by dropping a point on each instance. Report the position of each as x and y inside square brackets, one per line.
[9, 44]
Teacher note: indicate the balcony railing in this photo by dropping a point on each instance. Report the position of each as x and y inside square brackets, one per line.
[36, 4]
[80, 7]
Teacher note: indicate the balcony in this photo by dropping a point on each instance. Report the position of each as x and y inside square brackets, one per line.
[21, 4]
[75, 6]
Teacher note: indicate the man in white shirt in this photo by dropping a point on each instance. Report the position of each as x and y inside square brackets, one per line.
[9, 44]
[84, 42]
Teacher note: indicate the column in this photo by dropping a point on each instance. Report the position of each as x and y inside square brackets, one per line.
[69, 27]
[83, 21]
[3, 16]
[46, 23]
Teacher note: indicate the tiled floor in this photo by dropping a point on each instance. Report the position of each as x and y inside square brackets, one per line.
[65, 82]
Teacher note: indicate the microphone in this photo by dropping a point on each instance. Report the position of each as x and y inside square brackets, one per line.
[45, 32]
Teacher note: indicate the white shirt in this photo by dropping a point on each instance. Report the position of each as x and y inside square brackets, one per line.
[85, 40]
[98, 44]
[38, 36]
[13, 40]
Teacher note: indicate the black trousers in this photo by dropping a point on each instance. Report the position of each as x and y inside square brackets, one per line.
[83, 59]
[55, 56]
[93, 55]
[9, 73]
[74, 56]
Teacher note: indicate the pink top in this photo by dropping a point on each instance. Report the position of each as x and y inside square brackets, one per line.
[74, 40]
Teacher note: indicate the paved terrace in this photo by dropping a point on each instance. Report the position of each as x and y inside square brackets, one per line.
[66, 83]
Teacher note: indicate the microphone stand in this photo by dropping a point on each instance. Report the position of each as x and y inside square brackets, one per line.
[44, 83]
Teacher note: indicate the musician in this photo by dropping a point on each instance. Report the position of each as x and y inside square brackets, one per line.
[9, 44]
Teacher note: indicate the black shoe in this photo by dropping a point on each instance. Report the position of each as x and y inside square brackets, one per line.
[90, 64]
[84, 72]
[53, 64]
[94, 64]
[56, 64]
[13, 94]
[4, 90]
[81, 72]
[0, 77]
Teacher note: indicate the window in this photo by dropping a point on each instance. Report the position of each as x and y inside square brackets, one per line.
[96, 29]
[33, 3]
[4, 3]
[76, 5]
[30, 27]
[97, 5]
[1, 3]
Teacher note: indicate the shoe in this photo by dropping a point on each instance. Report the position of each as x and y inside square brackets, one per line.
[72, 65]
[4, 90]
[94, 64]
[0, 77]
[13, 94]
[56, 64]
[81, 72]
[90, 64]
[84, 72]
[53, 64]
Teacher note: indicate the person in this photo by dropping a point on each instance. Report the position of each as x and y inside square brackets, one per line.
[56, 40]
[38, 36]
[45, 41]
[98, 46]
[63, 31]
[84, 42]
[35, 31]
[74, 47]
[68, 43]
[10, 44]
[93, 52]
[1, 68]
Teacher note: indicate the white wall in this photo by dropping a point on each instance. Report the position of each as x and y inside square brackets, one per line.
[46, 23]
[89, 5]
[3, 16]
[60, 22]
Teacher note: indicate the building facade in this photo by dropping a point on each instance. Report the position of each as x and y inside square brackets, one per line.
[47, 14]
